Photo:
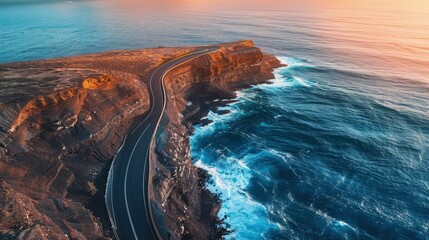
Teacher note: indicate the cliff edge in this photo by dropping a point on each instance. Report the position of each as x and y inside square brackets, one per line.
[62, 121]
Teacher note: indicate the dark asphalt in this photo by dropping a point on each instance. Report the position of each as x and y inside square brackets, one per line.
[127, 198]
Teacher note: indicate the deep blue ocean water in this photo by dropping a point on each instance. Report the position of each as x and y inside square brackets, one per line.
[310, 158]
[337, 147]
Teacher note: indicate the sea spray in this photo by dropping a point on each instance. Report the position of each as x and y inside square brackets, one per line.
[314, 154]
[229, 169]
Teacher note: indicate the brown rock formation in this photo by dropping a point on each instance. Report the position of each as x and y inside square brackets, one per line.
[189, 209]
[62, 120]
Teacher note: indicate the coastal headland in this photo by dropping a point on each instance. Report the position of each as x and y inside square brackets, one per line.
[63, 120]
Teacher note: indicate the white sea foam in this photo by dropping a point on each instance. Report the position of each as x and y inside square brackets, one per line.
[294, 62]
[232, 175]
[213, 172]
[241, 163]
[284, 76]
[218, 121]
[243, 95]
[302, 81]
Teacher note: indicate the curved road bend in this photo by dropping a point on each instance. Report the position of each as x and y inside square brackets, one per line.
[127, 197]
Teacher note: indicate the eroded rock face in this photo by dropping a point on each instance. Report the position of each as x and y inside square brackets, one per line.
[190, 209]
[61, 121]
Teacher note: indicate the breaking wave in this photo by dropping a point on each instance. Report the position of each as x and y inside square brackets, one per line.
[309, 150]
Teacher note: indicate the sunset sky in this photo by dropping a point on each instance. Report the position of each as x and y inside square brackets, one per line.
[420, 5]
[316, 126]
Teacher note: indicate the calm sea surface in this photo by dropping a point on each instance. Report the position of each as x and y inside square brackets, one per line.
[336, 148]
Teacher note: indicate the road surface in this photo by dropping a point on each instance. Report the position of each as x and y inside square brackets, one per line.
[127, 191]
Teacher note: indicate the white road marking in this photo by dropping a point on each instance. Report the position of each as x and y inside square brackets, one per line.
[144, 196]
[150, 86]
[111, 192]
[147, 152]
[125, 183]
[163, 107]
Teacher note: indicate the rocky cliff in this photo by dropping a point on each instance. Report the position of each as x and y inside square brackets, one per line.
[62, 120]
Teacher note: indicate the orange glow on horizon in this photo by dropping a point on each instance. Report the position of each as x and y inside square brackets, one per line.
[400, 5]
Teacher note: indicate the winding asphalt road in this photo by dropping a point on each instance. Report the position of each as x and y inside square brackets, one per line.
[127, 191]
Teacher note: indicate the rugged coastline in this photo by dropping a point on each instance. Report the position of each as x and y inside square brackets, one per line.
[63, 119]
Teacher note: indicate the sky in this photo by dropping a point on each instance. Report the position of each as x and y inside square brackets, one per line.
[399, 5]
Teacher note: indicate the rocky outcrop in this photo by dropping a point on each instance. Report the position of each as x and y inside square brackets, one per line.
[60, 123]
[189, 209]
[62, 120]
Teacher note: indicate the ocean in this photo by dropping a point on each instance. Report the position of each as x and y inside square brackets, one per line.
[335, 147]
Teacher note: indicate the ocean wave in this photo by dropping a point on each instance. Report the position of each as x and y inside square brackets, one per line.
[284, 77]
[213, 173]
[294, 62]
[296, 152]
[242, 211]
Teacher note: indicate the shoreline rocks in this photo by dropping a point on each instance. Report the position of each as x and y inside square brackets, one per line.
[62, 120]
[190, 210]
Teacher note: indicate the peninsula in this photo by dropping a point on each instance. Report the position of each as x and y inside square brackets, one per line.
[70, 127]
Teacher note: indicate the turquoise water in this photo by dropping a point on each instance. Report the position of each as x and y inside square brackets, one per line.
[335, 148]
